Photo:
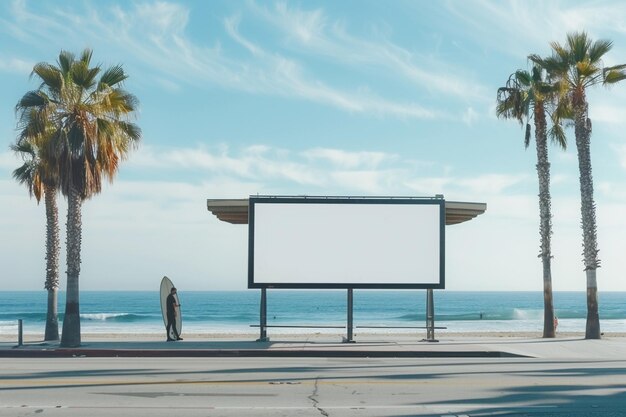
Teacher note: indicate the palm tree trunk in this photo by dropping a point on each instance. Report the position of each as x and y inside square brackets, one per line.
[582, 126]
[52, 317]
[52, 263]
[71, 321]
[545, 218]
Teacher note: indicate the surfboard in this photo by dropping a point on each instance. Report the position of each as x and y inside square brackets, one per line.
[166, 287]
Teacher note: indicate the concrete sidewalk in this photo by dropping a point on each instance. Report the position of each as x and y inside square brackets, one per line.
[613, 348]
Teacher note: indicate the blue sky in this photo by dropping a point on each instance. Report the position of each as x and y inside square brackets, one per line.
[317, 98]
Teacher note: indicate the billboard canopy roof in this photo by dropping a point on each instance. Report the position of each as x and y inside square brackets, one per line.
[235, 211]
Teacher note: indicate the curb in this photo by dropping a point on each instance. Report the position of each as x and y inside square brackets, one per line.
[253, 353]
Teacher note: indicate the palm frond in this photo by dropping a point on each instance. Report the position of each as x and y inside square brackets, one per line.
[585, 70]
[83, 76]
[129, 101]
[536, 59]
[615, 74]
[119, 135]
[49, 75]
[560, 52]
[25, 149]
[116, 102]
[579, 45]
[527, 136]
[79, 121]
[554, 65]
[111, 77]
[66, 59]
[132, 132]
[537, 74]
[31, 99]
[512, 100]
[30, 172]
[557, 135]
[85, 56]
[511, 105]
[523, 77]
[598, 49]
[24, 175]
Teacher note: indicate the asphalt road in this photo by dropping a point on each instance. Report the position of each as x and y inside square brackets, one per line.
[311, 387]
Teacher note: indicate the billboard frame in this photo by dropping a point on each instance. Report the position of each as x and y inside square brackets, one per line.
[437, 200]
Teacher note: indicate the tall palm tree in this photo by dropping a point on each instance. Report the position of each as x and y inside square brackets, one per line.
[579, 65]
[41, 180]
[527, 95]
[92, 134]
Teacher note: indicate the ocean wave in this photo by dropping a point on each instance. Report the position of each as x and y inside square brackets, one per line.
[448, 317]
[118, 317]
[204, 317]
[527, 314]
[508, 314]
[23, 316]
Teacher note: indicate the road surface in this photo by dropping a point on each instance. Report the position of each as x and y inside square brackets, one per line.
[157, 387]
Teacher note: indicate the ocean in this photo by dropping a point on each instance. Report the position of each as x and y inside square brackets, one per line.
[233, 312]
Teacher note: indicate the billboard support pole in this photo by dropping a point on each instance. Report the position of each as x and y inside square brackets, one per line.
[350, 324]
[263, 317]
[430, 317]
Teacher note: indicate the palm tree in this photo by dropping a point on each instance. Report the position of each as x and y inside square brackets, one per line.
[526, 95]
[579, 65]
[41, 180]
[91, 135]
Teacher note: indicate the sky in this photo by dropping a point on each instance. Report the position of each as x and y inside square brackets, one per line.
[351, 98]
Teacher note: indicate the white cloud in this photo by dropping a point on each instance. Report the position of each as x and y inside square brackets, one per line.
[231, 25]
[345, 159]
[559, 179]
[154, 35]
[484, 186]
[163, 18]
[16, 65]
[253, 162]
[612, 113]
[381, 182]
[9, 161]
[36, 27]
[429, 186]
[145, 229]
[520, 27]
[491, 183]
[620, 150]
[168, 85]
[326, 171]
[470, 116]
[611, 191]
[313, 32]
[287, 77]
[292, 80]
[307, 26]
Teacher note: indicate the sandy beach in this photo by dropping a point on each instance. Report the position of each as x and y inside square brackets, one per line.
[330, 337]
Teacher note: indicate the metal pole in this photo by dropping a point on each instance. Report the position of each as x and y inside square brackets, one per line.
[430, 316]
[263, 318]
[350, 326]
[20, 333]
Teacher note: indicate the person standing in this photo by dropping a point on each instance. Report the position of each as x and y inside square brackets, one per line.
[171, 306]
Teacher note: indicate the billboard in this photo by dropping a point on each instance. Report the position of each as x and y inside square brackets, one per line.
[346, 242]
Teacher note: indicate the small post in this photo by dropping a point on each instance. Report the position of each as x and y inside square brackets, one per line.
[349, 336]
[430, 317]
[20, 333]
[263, 318]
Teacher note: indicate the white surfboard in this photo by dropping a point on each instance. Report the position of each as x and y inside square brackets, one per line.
[166, 287]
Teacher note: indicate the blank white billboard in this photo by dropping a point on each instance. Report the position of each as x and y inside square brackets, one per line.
[346, 242]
